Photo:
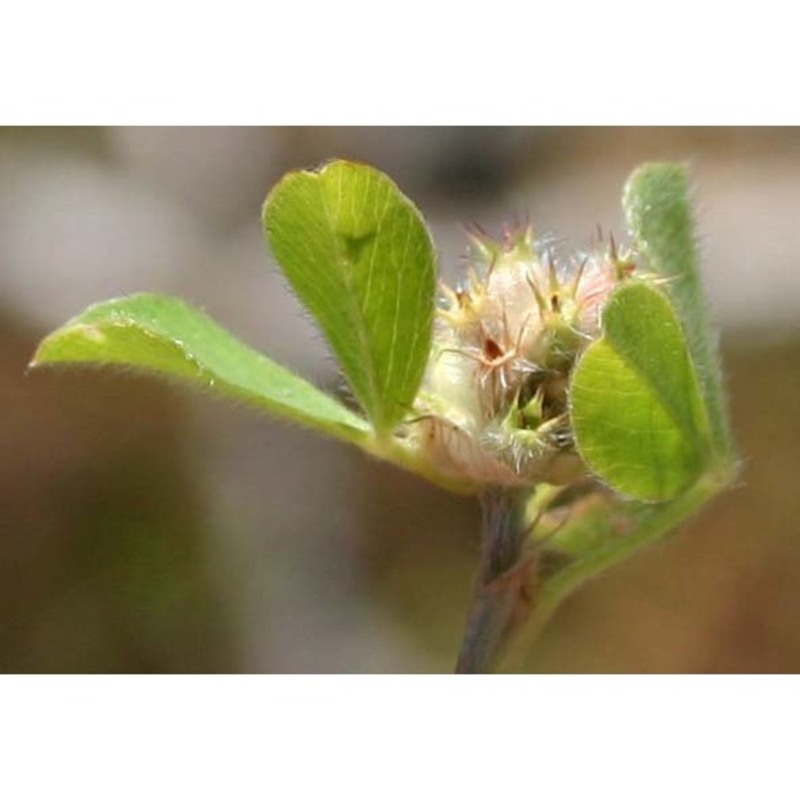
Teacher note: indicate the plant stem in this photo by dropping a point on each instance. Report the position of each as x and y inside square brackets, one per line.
[500, 599]
[507, 613]
[655, 524]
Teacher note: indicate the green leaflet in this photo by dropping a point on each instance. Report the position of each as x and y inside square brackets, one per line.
[659, 214]
[166, 335]
[359, 256]
[637, 411]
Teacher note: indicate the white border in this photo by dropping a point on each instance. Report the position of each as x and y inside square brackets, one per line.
[391, 737]
[416, 62]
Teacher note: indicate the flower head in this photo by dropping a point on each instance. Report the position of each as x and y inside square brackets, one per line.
[493, 405]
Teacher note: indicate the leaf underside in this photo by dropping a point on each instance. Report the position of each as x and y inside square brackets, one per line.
[637, 411]
[359, 256]
[168, 336]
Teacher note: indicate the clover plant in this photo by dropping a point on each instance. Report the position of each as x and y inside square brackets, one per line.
[579, 398]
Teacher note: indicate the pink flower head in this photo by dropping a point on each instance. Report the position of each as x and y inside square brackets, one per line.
[493, 406]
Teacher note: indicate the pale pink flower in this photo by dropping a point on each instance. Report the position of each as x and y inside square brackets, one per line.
[493, 406]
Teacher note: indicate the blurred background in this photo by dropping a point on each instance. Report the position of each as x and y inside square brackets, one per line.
[148, 529]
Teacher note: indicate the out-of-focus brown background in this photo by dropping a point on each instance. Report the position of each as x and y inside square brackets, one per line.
[144, 528]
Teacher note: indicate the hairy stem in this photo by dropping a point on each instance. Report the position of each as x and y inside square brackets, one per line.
[500, 600]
